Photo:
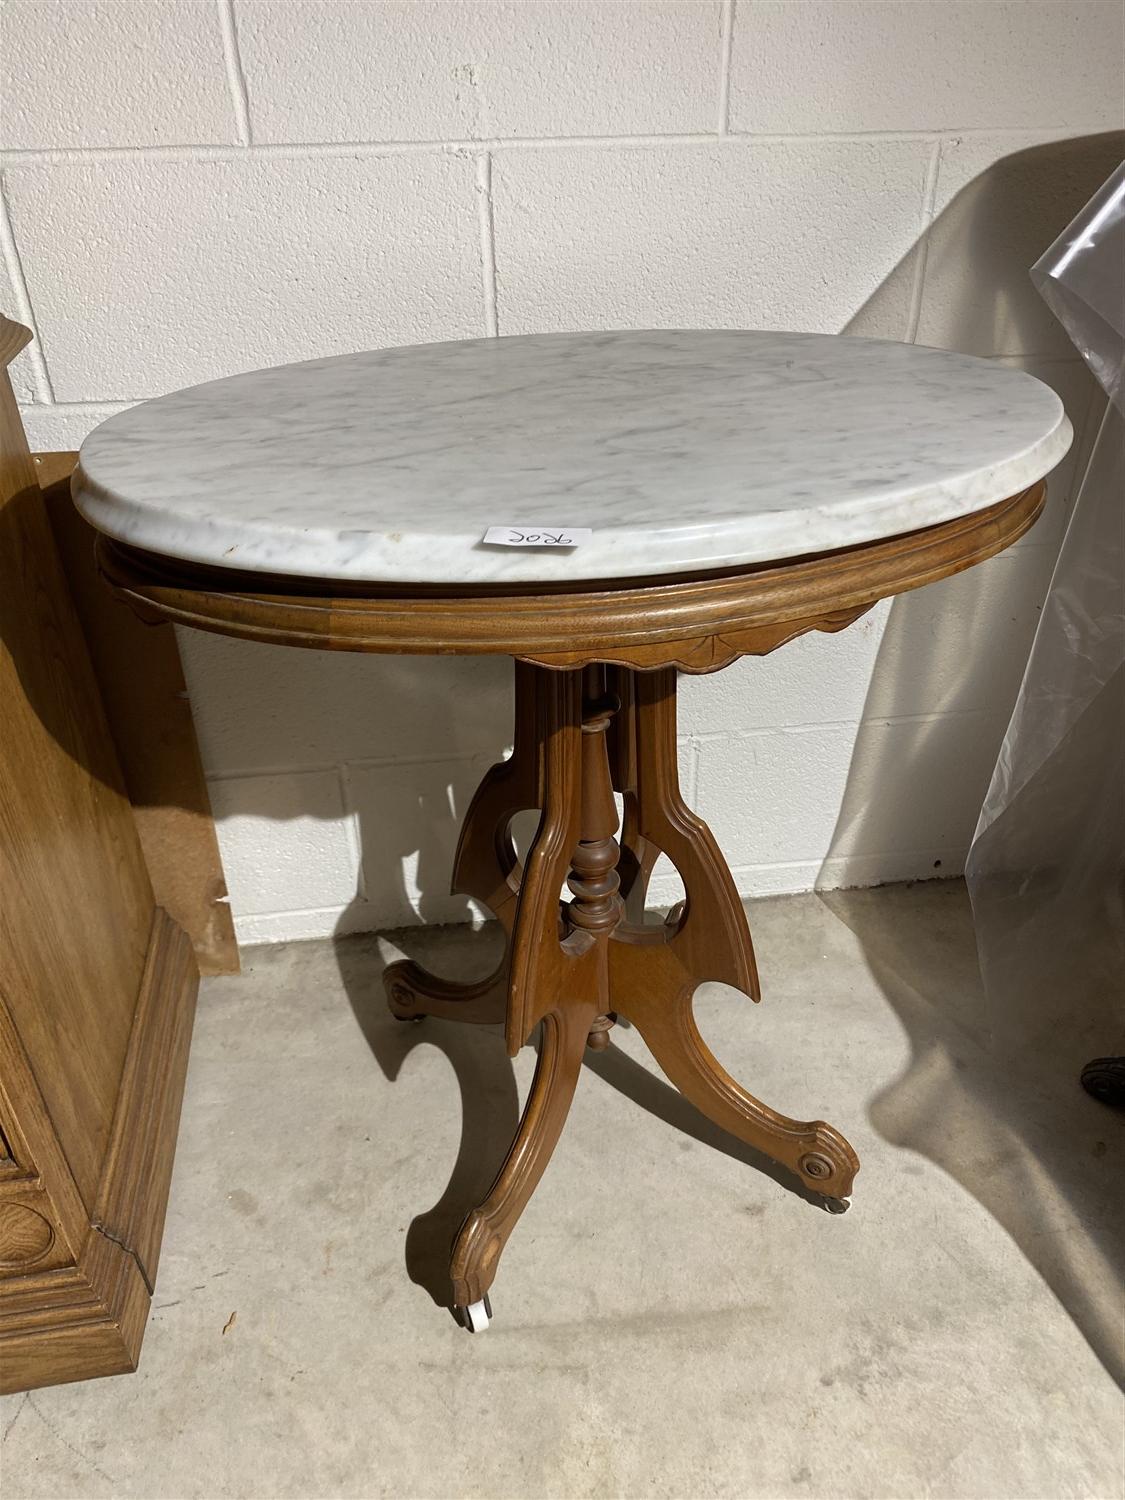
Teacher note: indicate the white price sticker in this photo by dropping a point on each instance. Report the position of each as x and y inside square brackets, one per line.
[537, 536]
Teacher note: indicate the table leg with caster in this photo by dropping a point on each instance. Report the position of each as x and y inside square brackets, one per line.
[815, 1151]
[557, 976]
[481, 1240]
[655, 970]
[413, 993]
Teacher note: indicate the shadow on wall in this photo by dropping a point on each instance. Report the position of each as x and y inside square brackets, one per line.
[369, 760]
[1012, 1125]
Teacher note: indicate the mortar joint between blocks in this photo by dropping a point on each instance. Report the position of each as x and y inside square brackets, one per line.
[726, 47]
[929, 199]
[487, 223]
[298, 150]
[352, 829]
[236, 74]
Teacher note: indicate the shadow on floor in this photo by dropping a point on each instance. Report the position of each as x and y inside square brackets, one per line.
[991, 1096]
[490, 1105]
[1044, 1159]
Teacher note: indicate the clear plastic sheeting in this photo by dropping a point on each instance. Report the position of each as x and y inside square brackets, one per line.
[1046, 870]
[1082, 280]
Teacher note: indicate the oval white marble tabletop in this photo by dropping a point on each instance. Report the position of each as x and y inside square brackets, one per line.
[676, 450]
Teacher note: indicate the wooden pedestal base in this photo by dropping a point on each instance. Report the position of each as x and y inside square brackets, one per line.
[573, 966]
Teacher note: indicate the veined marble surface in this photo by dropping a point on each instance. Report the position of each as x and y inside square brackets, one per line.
[678, 450]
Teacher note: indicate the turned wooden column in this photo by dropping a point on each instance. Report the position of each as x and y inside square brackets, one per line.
[593, 880]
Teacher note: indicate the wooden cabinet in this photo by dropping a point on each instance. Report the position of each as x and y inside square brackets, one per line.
[97, 982]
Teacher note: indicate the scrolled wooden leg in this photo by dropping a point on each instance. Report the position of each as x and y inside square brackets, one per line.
[547, 985]
[559, 971]
[412, 993]
[654, 972]
[660, 1007]
[478, 1246]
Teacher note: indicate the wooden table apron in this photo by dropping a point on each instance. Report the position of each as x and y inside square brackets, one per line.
[596, 670]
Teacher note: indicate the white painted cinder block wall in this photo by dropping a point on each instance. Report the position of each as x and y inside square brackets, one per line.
[196, 187]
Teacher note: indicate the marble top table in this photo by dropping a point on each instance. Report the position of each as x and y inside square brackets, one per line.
[676, 451]
[730, 492]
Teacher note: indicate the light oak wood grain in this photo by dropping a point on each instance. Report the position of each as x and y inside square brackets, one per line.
[97, 983]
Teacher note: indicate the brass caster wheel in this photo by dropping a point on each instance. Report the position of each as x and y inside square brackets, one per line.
[837, 1205]
[476, 1316]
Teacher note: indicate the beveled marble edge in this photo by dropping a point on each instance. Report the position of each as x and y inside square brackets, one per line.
[612, 552]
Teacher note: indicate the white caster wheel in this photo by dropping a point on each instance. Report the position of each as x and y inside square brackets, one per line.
[477, 1315]
[837, 1205]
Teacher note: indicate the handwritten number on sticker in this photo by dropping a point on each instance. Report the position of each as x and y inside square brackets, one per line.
[537, 536]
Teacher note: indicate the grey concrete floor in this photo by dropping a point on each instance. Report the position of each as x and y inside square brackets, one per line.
[671, 1318]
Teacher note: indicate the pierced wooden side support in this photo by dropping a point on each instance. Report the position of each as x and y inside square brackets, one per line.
[573, 965]
[485, 865]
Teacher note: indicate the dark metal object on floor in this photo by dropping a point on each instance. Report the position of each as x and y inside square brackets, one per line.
[1104, 1079]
